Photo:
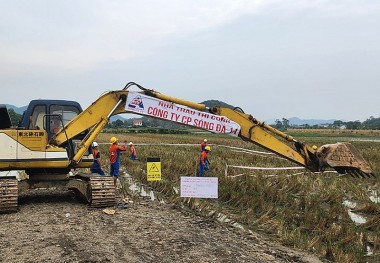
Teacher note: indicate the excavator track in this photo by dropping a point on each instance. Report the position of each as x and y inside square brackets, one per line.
[102, 191]
[8, 195]
[98, 191]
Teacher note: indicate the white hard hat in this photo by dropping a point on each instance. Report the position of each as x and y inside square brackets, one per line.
[205, 140]
[95, 144]
[130, 143]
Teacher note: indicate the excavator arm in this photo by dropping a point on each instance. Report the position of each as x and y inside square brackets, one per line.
[270, 138]
[94, 118]
[342, 157]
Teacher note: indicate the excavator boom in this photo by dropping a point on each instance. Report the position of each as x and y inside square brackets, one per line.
[342, 157]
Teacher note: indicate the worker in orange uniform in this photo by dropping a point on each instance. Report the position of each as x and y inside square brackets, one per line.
[114, 152]
[132, 152]
[96, 166]
[203, 145]
[204, 162]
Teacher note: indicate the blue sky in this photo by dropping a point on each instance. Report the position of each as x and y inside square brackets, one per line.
[310, 59]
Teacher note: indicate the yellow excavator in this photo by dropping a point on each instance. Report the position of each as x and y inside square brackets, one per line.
[53, 139]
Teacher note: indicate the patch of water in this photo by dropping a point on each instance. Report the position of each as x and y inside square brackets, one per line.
[358, 219]
[140, 189]
[374, 197]
[349, 204]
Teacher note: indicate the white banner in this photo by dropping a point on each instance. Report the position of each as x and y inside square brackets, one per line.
[199, 187]
[154, 107]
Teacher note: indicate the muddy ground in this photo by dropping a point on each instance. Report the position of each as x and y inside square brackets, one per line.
[54, 226]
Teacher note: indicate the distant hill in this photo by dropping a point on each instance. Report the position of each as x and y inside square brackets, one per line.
[118, 117]
[19, 110]
[212, 103]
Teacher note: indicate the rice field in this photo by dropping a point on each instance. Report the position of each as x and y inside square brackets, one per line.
[334, 217]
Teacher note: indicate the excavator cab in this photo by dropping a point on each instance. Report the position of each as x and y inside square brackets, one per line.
[49, 115]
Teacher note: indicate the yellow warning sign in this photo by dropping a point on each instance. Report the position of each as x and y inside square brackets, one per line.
[153, 167]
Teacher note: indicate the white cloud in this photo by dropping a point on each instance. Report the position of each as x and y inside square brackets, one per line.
[328, 8]
[80, 35]
[196, 49]
[74, 35]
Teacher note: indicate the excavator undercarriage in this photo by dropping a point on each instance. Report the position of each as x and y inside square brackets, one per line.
[97, 191]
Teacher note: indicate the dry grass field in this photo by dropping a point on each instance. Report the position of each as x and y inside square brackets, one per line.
[332, 216]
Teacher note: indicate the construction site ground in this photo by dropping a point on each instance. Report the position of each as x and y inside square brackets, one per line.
[54, 226]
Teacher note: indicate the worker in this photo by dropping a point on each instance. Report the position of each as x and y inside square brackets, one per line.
[96, 166]
[204, 162]
[55, 123]
[114, 153]
[132, 152]
[203, 145]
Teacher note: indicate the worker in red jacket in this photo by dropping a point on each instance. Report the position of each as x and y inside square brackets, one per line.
[204, 162]
[132, 152]
[114, 152]
[203, 145]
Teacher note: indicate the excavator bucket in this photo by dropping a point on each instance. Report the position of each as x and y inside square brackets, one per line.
[345, 159]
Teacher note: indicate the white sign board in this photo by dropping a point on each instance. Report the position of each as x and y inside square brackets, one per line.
[199, 187]
[154, 107]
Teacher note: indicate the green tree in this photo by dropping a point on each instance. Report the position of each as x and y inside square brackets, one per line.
[338, 124]
[372, 123]
[353, 125]
[118, 123]
[279, 125]
[15, 117]
[285, 123]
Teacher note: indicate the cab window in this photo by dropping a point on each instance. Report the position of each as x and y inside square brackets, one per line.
[61, 115]
[37, 118]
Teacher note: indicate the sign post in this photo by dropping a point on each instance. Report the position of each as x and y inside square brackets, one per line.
[199, 187]
[153, 168]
